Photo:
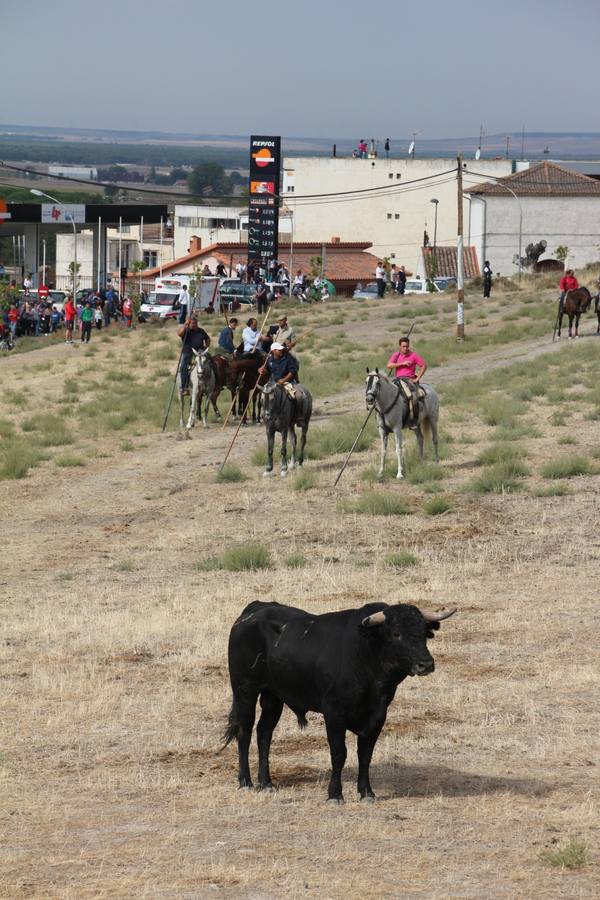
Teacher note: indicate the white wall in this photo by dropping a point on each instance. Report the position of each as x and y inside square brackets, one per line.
[85, 255]
[571, 221]
[395, 222]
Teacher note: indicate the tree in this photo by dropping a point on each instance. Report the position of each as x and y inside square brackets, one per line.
[208, 178]
[561, 252]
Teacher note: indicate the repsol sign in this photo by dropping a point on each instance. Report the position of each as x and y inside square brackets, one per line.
[263, 200]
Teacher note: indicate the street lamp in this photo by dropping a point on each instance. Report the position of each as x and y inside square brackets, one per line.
[435, 201]
[68, 216]
[510, 191]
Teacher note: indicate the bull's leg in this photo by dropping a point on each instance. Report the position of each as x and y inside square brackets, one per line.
[398, 439]
[245, 711]
[336, 735]
[293, 445]
[270, 446]
[269, 717]
[383, 436]
[365, 746]
[284, 463]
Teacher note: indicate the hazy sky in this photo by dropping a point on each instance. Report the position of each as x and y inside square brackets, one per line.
[314, 68]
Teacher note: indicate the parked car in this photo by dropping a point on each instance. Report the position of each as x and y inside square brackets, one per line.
[365, 292]
[55, 298]
[418, 286]
[160, 305]
[445, 281]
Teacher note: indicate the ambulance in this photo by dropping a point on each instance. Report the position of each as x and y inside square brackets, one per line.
[164, 301]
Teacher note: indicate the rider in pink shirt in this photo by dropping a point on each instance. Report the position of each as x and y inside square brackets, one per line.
[406, 363]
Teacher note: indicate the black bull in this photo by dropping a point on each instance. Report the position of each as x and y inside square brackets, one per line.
[345, 665]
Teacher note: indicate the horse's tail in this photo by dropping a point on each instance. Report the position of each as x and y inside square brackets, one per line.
[426, 429]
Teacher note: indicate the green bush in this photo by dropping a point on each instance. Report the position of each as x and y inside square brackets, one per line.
[552, 490]
[67, 460]
[566, 467]
[572, 855]
[401, 559]
[209, 564]
[250, 555]
[423, 472]
[378, 504]
[17, 456]
[295, 561]
[303, 480]
[435, 506]
[501, 453]
[515, 431]
[502, 477]
[230, 474]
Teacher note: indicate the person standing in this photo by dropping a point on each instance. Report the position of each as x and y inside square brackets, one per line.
[387, 147]
[409, 368]
[128, 311]
[193, 338]
[380, 279]
[69, 311]
[13, 318]
[394, 278]
[183, 305]
[98, 317]
[487, 279]
[401, 280]
[27, 285]
[87, 317]
[261, 295]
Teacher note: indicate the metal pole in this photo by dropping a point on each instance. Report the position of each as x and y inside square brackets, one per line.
[161, 246]
[74, 256]
[291, 273]
[44, 261]
[460, 272]
[141, 249]
[99, 253]
[347, 460]
[120, 258]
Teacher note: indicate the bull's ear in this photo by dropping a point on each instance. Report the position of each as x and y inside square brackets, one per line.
[377, 618]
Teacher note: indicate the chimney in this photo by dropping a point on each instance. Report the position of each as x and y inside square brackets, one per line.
[195, 244]
[335, 240]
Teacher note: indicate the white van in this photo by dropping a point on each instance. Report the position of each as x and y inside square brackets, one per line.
[164, 301]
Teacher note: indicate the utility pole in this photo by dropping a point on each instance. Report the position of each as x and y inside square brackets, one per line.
[460, 272]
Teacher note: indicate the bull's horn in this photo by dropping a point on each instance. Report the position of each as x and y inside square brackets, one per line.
[436, 617]
[377, 618]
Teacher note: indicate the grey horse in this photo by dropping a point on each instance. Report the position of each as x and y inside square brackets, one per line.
[391, 406]
[203, 383]
[281, 413]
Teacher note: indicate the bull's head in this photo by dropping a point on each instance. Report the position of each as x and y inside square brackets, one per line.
[403, 631]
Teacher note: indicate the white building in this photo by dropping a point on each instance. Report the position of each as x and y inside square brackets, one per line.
[385, 201]
[87, 173]
[548, 202]
[215, 224]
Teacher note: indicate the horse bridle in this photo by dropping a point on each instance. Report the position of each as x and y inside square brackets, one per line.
[373, 394]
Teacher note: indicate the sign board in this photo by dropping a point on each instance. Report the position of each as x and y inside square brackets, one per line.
[263, 200]
[53, 214]
[4, 213]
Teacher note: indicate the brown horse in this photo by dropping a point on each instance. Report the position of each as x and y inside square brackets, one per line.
[574, 305]
[597, 311]
[240, 377]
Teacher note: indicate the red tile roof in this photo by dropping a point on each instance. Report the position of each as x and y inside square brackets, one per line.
[546, 179]
[446, 261]
[345, 263]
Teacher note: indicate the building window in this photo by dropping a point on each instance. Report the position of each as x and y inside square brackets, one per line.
[150, 259]
[389, 215]
[398, 175]
[396, 215]
[188, 221]
[290, 188]
[391, 175]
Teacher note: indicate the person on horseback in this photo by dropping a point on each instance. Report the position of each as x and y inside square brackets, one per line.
[250, 336]
[567, 283]
[282, 368]
[193, 338]
[409, 369]
[226, 346]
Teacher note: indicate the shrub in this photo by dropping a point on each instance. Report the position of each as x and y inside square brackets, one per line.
[514, 431]
[17, 457]
[499, 411]
[401, 559]
[338, 437]
[566, 467]
[435, 506]
[422, 472]
[124, 565]
[246, 556]
[503, 477]
[304, 480]
[230, 474]
[378, 504]
[501, 453]
[552, 490]
[295, 561]
[7, 429]
[210, 564]
[67, 460]
[572, 855]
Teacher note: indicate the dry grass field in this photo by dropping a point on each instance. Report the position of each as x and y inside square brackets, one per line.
[117, 602]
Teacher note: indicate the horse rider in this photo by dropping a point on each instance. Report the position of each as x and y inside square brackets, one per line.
[282, 368]
[226, 346]
[567, 283]
[250, 337]
[193, 338]
[284, 334]
[409, 369]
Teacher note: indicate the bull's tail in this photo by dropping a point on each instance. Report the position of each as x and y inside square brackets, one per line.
[232, 729]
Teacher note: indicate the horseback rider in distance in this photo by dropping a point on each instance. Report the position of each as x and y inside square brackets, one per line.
[567, 283]
[409, 369]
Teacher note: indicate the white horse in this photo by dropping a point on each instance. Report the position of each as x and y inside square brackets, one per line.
[203, 383]
[393, 414]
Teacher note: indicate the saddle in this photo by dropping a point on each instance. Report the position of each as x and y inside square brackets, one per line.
[415, 395]
[295, 391]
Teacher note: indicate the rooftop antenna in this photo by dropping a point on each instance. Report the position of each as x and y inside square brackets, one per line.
[523, 142]
[480, 146]
[411, 149]
[546, 150]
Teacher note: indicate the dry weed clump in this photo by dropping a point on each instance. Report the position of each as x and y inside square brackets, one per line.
[565, 467]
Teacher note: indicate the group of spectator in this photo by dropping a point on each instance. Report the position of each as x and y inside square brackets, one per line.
[274, 273]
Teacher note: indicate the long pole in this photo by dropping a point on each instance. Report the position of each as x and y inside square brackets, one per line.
[44, 261]
[460, 271]
[347, 460]
[161, 246]
[74, 256]
[120, 257]
[141, 249]
[291, 252]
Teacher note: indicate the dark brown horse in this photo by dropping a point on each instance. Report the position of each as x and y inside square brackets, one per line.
[597, 311]
[574, 305]
[240, 377]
